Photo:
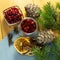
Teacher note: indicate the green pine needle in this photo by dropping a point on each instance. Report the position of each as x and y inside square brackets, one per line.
[47, 20]
[48, 14]
[58, 5]
[57, 41]
[49, 52]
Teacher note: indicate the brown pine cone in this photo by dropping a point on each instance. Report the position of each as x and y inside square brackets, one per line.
[45, 37]
[32, 10]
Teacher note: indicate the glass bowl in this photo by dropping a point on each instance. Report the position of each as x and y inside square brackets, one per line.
[13, 15]
[18, 44]
[30, 25]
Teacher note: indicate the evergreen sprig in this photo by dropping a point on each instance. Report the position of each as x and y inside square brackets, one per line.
[49, 16]
[47, 19]
[57, 41]
[49, 52]
[58, 5]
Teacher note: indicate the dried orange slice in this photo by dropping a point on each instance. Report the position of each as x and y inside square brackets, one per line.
[22, 44]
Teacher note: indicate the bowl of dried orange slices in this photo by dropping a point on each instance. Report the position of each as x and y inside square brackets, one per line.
[23, 45]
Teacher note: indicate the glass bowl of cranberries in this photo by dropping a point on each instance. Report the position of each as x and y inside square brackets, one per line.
[13, 15]
[29, 27]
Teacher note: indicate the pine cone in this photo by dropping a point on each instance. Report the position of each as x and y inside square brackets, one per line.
[32, 10]
[45, 37]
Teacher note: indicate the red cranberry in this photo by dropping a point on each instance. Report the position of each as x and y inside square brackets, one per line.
[28, 25]
[13, 15]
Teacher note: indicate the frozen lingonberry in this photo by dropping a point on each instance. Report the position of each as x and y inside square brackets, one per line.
[28, 25]
[13, 15]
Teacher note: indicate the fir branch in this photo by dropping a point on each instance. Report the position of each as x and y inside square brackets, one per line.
[57, 41]
[49, 15]
[58, 5]
[40, 22]
[49, 52]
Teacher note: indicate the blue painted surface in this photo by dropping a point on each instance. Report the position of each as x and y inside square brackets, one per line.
[9, 53]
